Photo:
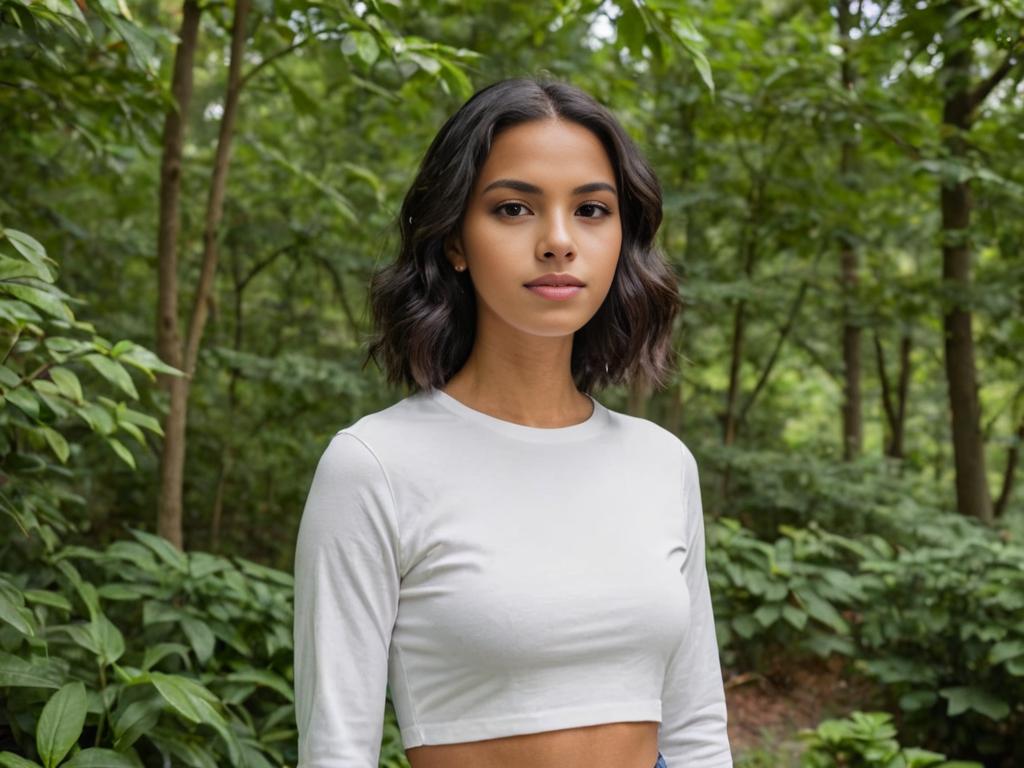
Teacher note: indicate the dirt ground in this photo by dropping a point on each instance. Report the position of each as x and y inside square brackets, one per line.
[768, 710]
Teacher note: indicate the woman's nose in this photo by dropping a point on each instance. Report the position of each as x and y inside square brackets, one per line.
[557, 239]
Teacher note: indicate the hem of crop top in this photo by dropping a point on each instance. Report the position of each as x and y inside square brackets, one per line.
[477, 729]
[592, 425]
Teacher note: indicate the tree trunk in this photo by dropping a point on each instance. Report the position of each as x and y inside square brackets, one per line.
[1012, 457]
[895, 408]
[167, 335]
[972, 491]
[730, 424]
[171, 490]
[848, 265]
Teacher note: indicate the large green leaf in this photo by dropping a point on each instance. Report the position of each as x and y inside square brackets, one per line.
[964, 697]
[11, 760]
[132, 720]
[95, 757]
[60, 723]
[187, 697]
[16, 672]
[27, 246]
[14, 614]
[113, 372]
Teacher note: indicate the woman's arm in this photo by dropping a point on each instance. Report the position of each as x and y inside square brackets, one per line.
[346, 601]
[693, 725]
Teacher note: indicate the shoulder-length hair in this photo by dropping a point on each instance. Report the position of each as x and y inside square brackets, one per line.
[424, 311]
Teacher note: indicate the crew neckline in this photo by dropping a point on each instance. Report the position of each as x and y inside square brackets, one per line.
[584, 429]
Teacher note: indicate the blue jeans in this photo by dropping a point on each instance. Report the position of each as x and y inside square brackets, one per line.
[661, 762]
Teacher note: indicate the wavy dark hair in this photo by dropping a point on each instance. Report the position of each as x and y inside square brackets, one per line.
[424, 312]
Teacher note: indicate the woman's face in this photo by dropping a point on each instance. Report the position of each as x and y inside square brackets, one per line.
[545, 202]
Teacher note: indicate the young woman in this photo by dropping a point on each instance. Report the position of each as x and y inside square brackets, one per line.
[521, 567]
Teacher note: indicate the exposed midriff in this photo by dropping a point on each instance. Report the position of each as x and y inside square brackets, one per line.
[608, 745]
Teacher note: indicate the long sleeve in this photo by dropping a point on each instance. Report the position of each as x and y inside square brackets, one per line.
[346, 602]
[693, 728]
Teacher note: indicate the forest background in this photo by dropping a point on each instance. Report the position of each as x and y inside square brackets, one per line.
[843, 189]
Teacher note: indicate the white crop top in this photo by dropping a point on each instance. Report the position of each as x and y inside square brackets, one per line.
[500, 579]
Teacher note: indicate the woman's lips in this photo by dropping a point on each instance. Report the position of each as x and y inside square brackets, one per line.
[556, 292]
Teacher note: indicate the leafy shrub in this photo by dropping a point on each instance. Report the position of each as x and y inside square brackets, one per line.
[785, 594]
[940, 622]
[944, 631]
[135, 654]
[866, 740]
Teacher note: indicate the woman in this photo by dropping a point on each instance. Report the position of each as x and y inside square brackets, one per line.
[521, 567]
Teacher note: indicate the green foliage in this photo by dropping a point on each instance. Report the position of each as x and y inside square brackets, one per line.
[783, 593]
[136, 653]
[866, 740]
[48, 353]
[939, 625]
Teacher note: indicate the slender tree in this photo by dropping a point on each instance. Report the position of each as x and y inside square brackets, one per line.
[961, 100]
[167, 334]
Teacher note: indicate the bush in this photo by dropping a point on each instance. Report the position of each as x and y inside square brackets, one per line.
[866, 740]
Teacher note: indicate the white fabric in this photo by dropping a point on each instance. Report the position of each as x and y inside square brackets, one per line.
[502, 579]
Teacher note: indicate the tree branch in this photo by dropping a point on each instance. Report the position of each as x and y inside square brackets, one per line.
[986, 86]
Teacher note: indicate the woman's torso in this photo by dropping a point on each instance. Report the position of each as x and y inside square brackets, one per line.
[609, 745]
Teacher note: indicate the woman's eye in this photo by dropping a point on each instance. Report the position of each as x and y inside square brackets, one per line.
[592, 210]
[511, 209]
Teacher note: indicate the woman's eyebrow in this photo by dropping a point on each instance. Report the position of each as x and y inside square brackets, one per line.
[533, 189]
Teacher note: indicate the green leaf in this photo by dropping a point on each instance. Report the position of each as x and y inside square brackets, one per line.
[98, 418]
[458, 84]
[145, 360]
[57, 443]
[8, 378]
[11, 760]
[45, 597]
[113, 372]
[12, 268]
[303, 102]
[964, 697]
[745, 626]
[67, 383]
[126, 415]
[16, 672]
[793, 615]
[823, 611]
[124, 592]
[108, 639]
[264, 678]
[28, 247]
[915, 700]
[1008, 649]
[767, 615]
[155, 654]
[49, 301]
[95, 757]
[27, 402]
[630, 28]
[163, 549]
[133, 720]
[121, 450]
[200, 636]
[365, 45]
[11, 612]
[186, 696]
[60, 723]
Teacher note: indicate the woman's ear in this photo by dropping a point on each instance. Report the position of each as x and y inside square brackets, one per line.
[453, 251]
